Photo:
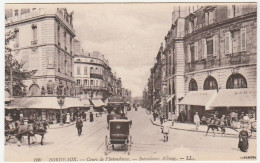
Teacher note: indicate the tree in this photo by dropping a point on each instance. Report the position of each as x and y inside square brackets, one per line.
[14, 72]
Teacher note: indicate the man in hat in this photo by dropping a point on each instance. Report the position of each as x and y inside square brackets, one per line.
[79, 125]
[197, 120]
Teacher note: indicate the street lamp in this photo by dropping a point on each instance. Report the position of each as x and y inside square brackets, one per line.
[61, 100]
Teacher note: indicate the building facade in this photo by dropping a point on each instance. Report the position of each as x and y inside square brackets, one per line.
[44, 42]
[94, 78]
[209, 50]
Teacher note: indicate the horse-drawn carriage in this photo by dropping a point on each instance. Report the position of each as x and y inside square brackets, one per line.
[119, 134]
[18, 130]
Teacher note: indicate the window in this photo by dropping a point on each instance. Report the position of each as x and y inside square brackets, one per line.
[196, 57]
[85, 82]
[91, 82]
[210, 83]
[234, 10]
[96, 82]
[191, 26]
[58, 35]
[243, 39]
[58, 61]
[192, 52]
[91, 70]
[188, 54]
[236, 81]
[96, 70]
[228, 42]
[193, 85]
[65, 40]
[78, 70]
[70, 43]
[85, 70]
[65, 65]
[209, 46]
[34, 39]
[206, 18]
[16, 12]
[78, 82]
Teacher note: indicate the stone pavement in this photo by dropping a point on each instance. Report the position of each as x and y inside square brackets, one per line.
[202, 128]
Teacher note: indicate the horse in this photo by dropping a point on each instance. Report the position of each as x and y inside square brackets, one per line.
[10, 130]
[213, 125]
[29, 130]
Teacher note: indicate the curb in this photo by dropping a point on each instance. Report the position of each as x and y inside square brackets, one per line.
[63, 126]
[198, 130]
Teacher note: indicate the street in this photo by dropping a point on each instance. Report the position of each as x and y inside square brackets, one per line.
[64, 143]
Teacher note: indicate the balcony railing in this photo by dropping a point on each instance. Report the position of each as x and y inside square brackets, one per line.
[16, 45]
[237, 58]
[210, 62]
[86, 87]
[34, 42]
[97, 76]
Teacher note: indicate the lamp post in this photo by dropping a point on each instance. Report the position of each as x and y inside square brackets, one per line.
[61, 100]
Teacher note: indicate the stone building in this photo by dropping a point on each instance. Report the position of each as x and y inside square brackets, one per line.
[43, 43]
[210, 56]
[220, 54]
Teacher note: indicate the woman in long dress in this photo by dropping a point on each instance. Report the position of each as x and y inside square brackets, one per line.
[68, 118]
[243, 140]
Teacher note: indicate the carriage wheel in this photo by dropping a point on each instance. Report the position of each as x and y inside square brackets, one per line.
[106, 144]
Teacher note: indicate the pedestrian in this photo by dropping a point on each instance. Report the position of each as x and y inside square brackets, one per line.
[68, 118]
[84, 116]
[165, 130]
[91, 117]
[197, 120]
[161, 117]
[154, 115]
[173, 117]
[243, 140]
[223, 123]
[79, 125]
[241, 116]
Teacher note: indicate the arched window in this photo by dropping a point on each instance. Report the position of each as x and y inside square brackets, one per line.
[210, 83]
[236, 81]
[193, 85]
[50, 87]
[85, 82]
[34, 90]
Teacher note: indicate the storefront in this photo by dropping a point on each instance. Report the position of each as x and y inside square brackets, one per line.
[195, 101]
[235, 100]
[44, 108]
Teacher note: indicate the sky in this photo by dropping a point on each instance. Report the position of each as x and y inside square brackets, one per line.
[129, 35]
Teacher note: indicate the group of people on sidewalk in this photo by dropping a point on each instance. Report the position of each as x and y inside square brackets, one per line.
[222, 122]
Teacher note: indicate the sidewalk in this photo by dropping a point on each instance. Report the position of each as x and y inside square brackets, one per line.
[202, 128]
[57, 125]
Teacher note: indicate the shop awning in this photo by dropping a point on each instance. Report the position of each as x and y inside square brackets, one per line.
[71, 102]
[199, 98]
[86, 102]
[170, 97]
[235, 98]
[45, 103]
[97, 103]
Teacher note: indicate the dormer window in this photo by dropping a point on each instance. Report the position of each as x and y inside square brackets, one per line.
[209, 15]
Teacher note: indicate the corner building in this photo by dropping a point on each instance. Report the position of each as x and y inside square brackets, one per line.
[44, 43]
[220, 60]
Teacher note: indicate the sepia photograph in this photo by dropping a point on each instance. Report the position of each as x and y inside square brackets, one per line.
[130, 82]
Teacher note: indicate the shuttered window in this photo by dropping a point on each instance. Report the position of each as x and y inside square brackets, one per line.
[204, 48]
[243, 39]
[228, 43]
[188, 54]
[196, 51]
[215, 45]
[206, 18]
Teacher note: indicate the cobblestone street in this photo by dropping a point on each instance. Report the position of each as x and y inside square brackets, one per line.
[147, 139]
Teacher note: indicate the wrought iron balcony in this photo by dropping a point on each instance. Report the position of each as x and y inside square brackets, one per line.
[34, 42]
[97, 76]
[237, 58]
[210, 62]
